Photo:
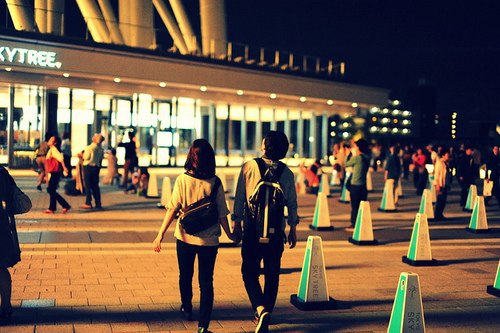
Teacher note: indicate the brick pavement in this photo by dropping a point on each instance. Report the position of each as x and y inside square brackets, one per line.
[95, 271]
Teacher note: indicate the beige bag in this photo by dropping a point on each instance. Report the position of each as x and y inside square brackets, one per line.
[487, 188]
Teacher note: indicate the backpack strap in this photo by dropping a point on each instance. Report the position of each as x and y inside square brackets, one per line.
[262, 166]
[215, 189]
[279, 170]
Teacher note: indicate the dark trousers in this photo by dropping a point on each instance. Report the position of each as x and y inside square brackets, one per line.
[358, 194]
[186, 254]
[464, 184]
[67, 162]
[52, 189]
[252, 254]
[91, 178]
[422, 182]
[440, 202]
[128, 166]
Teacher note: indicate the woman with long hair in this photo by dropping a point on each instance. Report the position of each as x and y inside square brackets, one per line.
[55, 175]
[195, 184]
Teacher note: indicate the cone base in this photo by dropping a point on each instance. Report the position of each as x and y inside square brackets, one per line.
[159, 205]
[362, 242]
[232, 197]
[344, 201]
[320, 228]
[493, 291]
[466, 209]
[387, 210]
[478, 231]
[412, 262]
[152, 196]
[312, 306]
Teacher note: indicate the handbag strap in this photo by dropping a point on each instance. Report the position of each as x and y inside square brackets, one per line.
[215, 189]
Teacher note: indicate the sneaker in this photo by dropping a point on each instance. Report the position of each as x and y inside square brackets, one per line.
[65, 210]
[187, 315]
[203, 330]
[48, 211]
[86, 206]
[263, 324]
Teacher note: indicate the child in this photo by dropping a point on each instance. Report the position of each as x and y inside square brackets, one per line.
[112, 168]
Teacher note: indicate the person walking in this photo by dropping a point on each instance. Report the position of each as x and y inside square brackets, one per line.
[359, 161]
[41, 154]
[131, 160]
[420, 172]
[393, 170]
[10, 253]
[55, 173]
[493, 174]
[274, 146]
[196, 183]
[92, 159]
[66, 150]
[442, 181]
[465, 174]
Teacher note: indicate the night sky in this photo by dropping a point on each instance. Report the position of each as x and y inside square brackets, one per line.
[453, 45]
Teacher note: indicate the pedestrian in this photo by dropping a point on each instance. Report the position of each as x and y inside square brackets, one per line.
[10, 253]
[313, 174]
[196, 183]
[92, 160]
[66, 150]
[420, 172]
[41, 154]
[131, 161]
[465, 174]
[274, 147]
[55, 167]
[493, 174]
[442, 181]
[359, 161]
[393, 169]
[112, 170]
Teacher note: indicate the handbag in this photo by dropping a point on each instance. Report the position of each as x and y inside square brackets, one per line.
[202, 214]
[53, 165]
[21, 203]
[487, 188]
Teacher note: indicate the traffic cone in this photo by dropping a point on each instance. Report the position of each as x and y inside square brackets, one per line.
[321, 219]
[363, 231]
[471, 198]
[419, 252]
[224, 241]
[369, 181]
[166, 192]
[313, 286]
[426, 204]
[407, 312]
[335, 181]
[478, 222]
[324, 186]
[223, 180]
[495, 288]
[152, 191]
[345, 195]
[300, 183]
[387, 204]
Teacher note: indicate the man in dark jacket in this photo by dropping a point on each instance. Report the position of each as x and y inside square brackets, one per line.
[393, 169]
[493, 174]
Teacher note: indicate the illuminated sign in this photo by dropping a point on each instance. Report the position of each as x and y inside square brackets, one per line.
[38, 58]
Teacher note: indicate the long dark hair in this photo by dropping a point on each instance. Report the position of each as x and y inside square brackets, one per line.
[201, 159]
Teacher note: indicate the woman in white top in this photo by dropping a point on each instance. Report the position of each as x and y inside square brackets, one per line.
[53, 182]
[195, 184]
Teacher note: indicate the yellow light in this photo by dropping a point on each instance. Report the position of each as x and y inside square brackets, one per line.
[273, 96]
[117, 80]
[239, 92]
[163, 84]
[374, 118]
[333, 123]
[8, 69]
[203, 88]
[453, 126]
[453, 121]
[329, 102]
[66, 74]
[302, 99]
[354, 105]
[395, 121]
[453, 131]
[396, 102]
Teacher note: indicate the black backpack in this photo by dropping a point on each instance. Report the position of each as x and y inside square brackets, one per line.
[266, 204]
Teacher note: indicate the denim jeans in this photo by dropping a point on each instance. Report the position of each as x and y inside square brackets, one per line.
[186, 254]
